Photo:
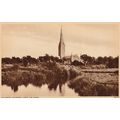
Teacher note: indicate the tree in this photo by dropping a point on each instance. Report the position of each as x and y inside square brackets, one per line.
[113, 62]
[6, 60]
[47, 58]
[116, 62]
[84, 57]
[25, 61]
[76, 63]
[87, 59]
[29, 59]
[100, 60]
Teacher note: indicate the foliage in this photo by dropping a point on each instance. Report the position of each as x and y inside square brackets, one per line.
[92, 85]
[76, 63]
[109, 62]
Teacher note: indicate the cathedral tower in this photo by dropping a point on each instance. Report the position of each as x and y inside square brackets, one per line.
[61, 47]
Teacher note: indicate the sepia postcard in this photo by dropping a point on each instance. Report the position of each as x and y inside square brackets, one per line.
[59, 59]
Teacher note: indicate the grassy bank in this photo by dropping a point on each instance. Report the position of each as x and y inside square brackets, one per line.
[95, 84]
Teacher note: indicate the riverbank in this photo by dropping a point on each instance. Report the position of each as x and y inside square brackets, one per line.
[92, 82]
[51, 74]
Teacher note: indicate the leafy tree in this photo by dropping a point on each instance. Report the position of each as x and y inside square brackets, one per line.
[25, 61]
[100, 60]
[6, 60]
[47, 58]
[113, 62]
[84, 57]
[87, 59]
[76, 63]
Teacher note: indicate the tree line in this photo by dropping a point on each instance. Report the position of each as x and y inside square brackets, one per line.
[110, 62]
[28, 60]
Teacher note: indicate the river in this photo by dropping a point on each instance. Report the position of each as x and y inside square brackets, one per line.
[33, 91]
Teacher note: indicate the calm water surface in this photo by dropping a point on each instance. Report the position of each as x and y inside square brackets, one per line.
[33, 91]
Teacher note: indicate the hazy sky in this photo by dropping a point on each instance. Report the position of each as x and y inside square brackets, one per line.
[35, 39]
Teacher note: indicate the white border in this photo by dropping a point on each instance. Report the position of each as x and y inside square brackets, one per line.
[60, 109]
[59, 11]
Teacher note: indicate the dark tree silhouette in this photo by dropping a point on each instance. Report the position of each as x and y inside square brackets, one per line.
[7, 60]
[25, 61]
[109, 62]
[76, 63]
[87, 59]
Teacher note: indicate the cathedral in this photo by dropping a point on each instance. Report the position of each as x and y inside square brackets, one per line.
[61, 51]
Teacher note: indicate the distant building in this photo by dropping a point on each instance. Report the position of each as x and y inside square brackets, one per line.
[61, 47]
[75, 57]
[72, 58]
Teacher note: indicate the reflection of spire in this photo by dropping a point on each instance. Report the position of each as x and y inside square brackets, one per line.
[62, 89]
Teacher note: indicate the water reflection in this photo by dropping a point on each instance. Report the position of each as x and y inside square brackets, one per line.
[14, 88]
[32, 91]
[52, 85]
[82, 85]
[52, 75]
[16, 79]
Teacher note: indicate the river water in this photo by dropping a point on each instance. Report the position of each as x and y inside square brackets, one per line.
[33, 91]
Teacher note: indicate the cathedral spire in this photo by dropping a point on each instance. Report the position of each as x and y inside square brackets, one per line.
[61, 47]
[61, 35]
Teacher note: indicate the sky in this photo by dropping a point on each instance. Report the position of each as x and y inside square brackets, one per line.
[36, 39]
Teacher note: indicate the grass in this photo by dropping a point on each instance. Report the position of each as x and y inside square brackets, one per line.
[95, 84]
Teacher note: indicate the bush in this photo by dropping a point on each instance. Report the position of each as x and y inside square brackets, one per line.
[85, 87]
[77, 63]
[25, 62]
[73, 73]
[15, 67]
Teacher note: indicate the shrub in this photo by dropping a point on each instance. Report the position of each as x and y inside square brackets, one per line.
[73, 73]
[15, 67]
[85, 87]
